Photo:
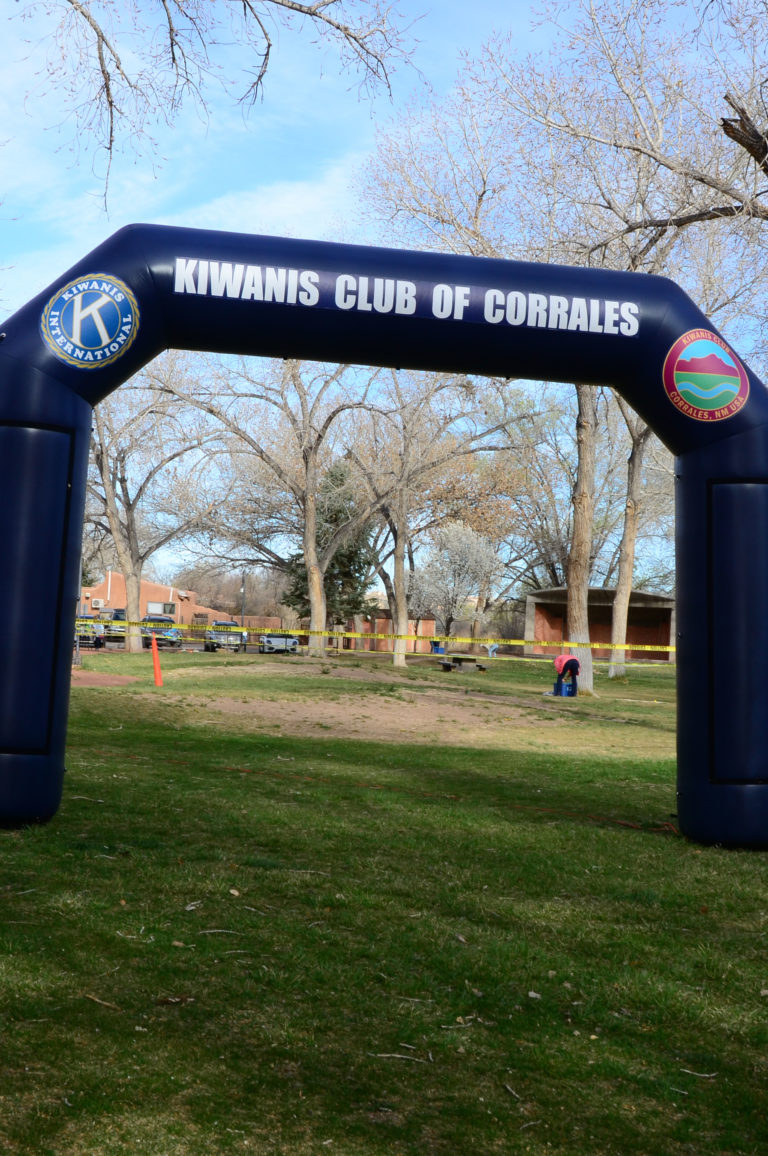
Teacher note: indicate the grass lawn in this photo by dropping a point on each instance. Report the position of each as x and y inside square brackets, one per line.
[245, 932]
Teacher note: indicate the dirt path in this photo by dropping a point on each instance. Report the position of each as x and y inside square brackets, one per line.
[460, 714]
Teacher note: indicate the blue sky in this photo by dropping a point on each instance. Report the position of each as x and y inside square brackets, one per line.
[286, 170]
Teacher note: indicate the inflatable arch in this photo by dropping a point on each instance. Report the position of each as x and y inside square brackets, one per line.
[149, 288]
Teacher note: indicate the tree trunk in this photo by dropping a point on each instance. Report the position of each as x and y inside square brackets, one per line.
[132, 607]
[480, 608]
[131, 567]
[400, 608]
[640, 435]
[124, 536]
[359, 642]
[315, 577]
[396, 588]
[580, 554]
[317, 611]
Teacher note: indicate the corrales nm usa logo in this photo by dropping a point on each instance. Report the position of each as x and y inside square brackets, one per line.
[91, 321]
[703, 378]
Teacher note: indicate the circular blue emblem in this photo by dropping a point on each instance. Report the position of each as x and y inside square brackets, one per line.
[91, 321]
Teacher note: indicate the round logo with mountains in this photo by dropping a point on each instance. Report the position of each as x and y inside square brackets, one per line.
[703, 378]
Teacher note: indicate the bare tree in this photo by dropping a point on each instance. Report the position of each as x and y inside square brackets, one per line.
[536, 478]
[459, 563]
[249, 591]
[633, 208]
[673, 107]
[150, 480]
[640, 435]
[120, 68]
[286, 419]
[475, 489]
[98, 552]
[580, 552]
[426, 426]
[455, 178]
[522, 162]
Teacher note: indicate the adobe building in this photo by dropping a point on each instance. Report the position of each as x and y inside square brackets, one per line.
[160, 598]
[184, 608]
[651, 620]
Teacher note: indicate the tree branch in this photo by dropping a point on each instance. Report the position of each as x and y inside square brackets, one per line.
[745, 133]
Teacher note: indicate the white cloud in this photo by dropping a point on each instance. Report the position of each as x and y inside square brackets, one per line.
[315, 208]
[286, 171]
[319, 209]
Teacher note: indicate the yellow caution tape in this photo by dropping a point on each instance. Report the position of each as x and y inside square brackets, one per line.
[196, 627]
[559, 643]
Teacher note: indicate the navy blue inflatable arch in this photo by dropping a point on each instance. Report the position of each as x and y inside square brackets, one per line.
[150, 288]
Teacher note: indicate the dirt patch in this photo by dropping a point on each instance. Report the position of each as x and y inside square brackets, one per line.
[288, 667]
[82, 677]
[456, 712]
[427, 716]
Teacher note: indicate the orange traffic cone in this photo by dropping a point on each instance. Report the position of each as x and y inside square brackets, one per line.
[156, 662]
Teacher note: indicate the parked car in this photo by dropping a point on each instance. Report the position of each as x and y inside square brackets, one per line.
[115, 628]
[163, 627]
[225, 636]
[89, 631]
[278, 644]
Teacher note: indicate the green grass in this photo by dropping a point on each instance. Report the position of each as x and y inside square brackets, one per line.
[237, 942]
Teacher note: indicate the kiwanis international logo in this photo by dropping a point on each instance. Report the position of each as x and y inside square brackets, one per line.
[703, 378]
[91, 321]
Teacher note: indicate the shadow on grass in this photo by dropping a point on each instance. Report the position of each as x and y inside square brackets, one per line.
[577, 789]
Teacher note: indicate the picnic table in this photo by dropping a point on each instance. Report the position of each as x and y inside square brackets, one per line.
[456, 661]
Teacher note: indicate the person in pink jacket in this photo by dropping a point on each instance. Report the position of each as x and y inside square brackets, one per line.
[566, 664]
